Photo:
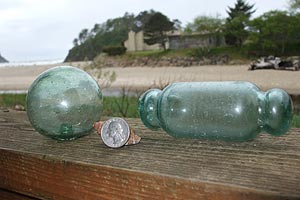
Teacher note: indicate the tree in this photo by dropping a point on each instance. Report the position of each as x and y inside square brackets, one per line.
[241, 8]
[156, 28]
[96, 29]
[141, 19]
[75, 42]
[275, 32]
[294, 5]
[205, 24]
[83, 35]
[237, 22]
[177, 24]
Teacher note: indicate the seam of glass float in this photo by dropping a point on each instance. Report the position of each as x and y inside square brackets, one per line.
[162, 122]
[262, 106]
[156, 97]
[289, 110]
[158, 107]
[142, 108]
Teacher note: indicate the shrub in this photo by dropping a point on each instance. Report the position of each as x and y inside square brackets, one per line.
[114, 50]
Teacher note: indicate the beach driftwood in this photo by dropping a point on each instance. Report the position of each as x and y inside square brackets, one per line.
[159, 167]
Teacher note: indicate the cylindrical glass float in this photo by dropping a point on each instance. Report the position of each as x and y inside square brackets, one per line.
[234, 111]
[63, 103]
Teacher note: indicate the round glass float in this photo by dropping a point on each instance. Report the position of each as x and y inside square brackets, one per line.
[63, 103]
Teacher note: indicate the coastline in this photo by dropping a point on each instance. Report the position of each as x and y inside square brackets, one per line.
[19, 78]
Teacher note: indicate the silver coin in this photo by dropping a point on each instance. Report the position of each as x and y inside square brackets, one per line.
[115, 132]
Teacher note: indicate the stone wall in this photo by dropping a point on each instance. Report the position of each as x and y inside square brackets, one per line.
[106, 61]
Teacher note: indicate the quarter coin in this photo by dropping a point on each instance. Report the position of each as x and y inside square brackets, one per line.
[115, 132]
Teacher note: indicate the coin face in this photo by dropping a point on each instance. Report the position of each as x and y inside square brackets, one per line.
[115, 132]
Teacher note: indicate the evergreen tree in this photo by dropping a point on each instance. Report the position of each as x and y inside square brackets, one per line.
[75, 42]
[83, 35]
[241, 8]
[141, 19]
[294, 5]
[156, 28]
[237, 21]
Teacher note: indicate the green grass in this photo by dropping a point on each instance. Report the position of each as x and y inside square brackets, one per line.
[112, 106]
[160, 53]
[137, 54]
[156, 54]
[296, 121]
[232, 52]
[10, 100]
[120, 106]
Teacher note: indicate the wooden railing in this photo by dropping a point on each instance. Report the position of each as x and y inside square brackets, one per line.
[160, 167]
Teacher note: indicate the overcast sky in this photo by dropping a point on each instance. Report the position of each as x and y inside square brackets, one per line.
[44, 29]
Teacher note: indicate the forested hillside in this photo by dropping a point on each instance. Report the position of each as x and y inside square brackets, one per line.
[275, 32]
[113, 32]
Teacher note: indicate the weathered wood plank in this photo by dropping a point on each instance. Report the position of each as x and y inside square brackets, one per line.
[9, 195]
[158, 167]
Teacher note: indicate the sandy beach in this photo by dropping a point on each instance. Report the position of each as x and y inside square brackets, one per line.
[20, 78]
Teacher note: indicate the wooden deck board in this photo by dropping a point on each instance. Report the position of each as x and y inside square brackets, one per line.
[159, 167]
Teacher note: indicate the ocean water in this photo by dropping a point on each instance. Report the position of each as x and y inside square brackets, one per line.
[31, 63]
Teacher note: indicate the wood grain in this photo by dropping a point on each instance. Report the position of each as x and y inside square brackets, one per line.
[9, 195]
[160, 167]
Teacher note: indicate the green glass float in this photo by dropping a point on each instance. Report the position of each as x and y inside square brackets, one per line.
[232, 111]
[63, 103]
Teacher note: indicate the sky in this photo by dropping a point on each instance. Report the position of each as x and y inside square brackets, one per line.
[33, 30]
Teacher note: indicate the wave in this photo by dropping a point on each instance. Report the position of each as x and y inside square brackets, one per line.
[31, 63]
[13, 91]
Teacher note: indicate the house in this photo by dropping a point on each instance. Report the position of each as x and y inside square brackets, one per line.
[194, 40]
[176, 40]
[135, 42]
